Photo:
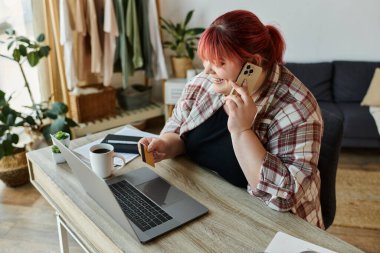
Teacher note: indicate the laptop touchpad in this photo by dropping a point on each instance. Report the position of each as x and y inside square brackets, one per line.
[161, 192]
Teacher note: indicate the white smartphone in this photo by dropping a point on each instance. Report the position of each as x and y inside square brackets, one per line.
[251, 73]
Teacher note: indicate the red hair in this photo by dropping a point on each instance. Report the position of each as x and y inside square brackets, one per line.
[240, 34]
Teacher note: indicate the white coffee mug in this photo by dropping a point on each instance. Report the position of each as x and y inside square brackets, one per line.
[102, 159]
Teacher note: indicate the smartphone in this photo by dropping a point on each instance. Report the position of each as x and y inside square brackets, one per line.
[251, 73]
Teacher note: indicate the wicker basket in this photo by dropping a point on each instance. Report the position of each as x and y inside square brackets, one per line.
[93, 106]
[14, 169]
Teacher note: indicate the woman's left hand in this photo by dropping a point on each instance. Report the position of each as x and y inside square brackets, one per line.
[241, 109]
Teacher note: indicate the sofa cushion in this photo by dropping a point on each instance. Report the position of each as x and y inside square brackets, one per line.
[316, 76]
[358, 122]
[331, 108]
[352, 79]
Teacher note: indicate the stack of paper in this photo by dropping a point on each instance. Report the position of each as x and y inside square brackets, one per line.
[284, 243]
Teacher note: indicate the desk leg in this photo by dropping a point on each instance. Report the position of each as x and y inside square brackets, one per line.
[62, 235]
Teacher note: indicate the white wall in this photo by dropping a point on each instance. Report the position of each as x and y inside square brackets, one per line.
[314, 30]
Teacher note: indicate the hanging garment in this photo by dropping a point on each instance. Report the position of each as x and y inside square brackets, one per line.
[133, 34]
[147, 49]
[92, 29]
[99, 8]
[66, 40]
[158, 58]
[122, 52]
[83, 45]
[111, 32]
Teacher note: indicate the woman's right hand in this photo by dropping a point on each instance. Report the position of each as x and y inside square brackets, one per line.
[157, 146]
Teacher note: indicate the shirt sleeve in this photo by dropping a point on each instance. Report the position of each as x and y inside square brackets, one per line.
[290, 164]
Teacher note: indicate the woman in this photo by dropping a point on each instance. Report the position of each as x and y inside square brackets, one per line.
[267, 141]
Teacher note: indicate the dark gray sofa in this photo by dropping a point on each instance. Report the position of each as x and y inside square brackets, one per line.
[339, 87]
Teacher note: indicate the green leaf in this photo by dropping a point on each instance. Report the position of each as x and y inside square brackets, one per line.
[60, 135]
[22, 49]
[11, 119]
[33, 58]
[44, 51]
[50, 115]
[7, 146]
[55, 149]
[3, 101]
[46, 132]
[195, 31]
[15, 138]
[190, 51]
[23, 39]
[167, 44]
[3, 128]
[188, 17]
[59, 124]
[30, 120]
[10, 44]
[16, 55]
[10, 31]
[58, 108]
[168, 24]
[71, 123]
[41, 37]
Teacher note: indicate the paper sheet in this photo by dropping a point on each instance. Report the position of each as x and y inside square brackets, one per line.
[84, 151]
[284, 243]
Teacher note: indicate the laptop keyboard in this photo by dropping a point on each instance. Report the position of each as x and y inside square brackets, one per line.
[137, 207]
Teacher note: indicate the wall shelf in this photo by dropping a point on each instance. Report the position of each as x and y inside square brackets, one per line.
[122, 118]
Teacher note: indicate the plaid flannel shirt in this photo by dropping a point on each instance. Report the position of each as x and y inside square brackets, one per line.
[289, 125]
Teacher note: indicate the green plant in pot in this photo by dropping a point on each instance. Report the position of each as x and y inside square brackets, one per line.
[13, 165]
[182, 40]
[42, 119]
[56, 153]
[47, 117]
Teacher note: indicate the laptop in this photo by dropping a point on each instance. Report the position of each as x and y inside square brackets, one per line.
[142, 202]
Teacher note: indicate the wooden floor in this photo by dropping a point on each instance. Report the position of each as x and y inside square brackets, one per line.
[364, 161]
[27, 222]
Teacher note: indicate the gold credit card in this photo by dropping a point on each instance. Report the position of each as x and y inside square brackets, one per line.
[147, 157]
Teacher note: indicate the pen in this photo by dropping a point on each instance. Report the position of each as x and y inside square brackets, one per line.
[121, 142]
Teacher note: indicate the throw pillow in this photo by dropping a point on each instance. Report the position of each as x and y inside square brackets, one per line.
[372, 98]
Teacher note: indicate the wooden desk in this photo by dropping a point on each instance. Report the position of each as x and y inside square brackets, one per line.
[236, 222]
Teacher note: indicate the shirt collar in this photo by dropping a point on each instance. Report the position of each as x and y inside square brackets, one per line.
[275, 74]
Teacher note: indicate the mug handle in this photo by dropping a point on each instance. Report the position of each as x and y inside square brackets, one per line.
[122, 158]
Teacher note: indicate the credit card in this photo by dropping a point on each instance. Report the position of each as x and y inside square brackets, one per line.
[147, 157]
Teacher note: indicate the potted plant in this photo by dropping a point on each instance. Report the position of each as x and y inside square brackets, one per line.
[13, 165]
[46, 117]
[57, 156]
[41, 120]
[65, 139]
[182, 40]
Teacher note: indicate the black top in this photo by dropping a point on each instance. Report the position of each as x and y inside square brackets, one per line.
[210, 146]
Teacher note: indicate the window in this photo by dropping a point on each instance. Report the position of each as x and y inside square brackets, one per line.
[18, 15]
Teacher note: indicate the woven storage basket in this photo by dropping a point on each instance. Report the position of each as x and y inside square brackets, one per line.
[93, 106]
[14, 169]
